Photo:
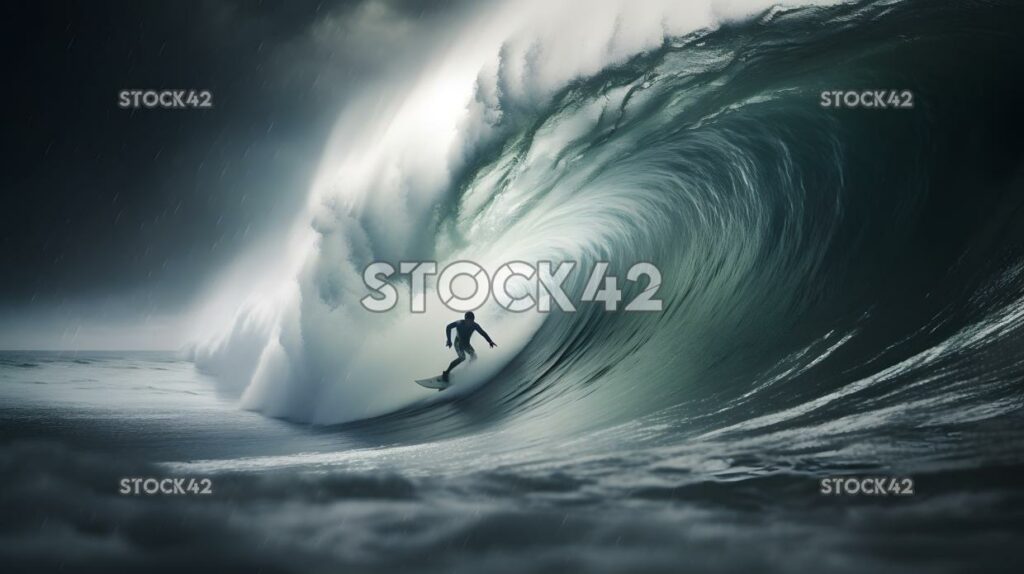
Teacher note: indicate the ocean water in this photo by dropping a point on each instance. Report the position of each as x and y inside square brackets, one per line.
[650, 495]
[843, 292]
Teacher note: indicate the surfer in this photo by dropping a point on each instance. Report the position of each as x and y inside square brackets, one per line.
[463, 332]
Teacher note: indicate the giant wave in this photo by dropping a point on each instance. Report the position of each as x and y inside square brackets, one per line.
[819, 265]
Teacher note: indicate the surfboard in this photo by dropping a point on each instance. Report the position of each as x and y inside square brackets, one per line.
[434, 382]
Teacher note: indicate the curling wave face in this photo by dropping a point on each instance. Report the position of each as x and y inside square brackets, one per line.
[821, 268]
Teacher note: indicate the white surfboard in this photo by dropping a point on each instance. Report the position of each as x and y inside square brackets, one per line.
[434, 382]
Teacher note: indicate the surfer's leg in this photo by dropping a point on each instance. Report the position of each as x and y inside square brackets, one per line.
[455, 363]
[471, 351]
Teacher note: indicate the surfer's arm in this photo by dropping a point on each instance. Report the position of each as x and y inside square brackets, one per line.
[480, 330]
[448, 333]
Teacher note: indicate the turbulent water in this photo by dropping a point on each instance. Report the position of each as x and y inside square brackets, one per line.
[843, 295]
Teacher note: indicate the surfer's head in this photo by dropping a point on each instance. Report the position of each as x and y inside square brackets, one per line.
[470, 316]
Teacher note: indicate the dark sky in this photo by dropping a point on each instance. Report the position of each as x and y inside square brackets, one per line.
[113, 214]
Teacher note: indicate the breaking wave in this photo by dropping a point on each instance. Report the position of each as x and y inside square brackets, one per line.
[820, 266]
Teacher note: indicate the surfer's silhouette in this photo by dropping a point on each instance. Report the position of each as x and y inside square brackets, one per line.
[463, 332]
